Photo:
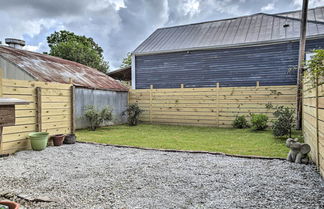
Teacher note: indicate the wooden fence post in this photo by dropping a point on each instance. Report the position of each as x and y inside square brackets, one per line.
[151, 87]
[317, 129]
[39, 109]
[1, 76]
[217, 104]
[257, 83]
[72, 109]
[181, 86]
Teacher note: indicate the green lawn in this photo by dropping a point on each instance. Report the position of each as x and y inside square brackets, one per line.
[227, 140]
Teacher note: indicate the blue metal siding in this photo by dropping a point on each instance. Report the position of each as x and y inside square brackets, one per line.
[268, 64]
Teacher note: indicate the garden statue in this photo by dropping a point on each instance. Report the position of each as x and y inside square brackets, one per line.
[298, 151]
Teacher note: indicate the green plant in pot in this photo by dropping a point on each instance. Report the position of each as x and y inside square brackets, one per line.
[38, 140]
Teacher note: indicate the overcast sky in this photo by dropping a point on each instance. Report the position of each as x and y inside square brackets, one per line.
[119, 26]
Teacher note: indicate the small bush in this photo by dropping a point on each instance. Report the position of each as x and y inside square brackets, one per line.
[240, 122]
[259, 121]
[133, 112]
[285, 121]
[96, 117]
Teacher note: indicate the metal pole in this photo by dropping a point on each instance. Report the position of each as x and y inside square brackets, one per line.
[301, 60]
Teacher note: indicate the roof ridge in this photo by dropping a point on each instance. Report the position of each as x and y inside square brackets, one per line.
[297, 10]
[47, 56]
[211, 21]
[293, 18]
[259, 13]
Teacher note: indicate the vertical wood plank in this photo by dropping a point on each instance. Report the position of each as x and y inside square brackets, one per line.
[217, 104]
[72, 109]
[1, 82]
[38, 109]
[151, 87]
[317, 129]
[182, 85]
[1, 131]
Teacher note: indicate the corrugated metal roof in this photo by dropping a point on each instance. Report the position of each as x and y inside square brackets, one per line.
[229, 32]
[54, 69]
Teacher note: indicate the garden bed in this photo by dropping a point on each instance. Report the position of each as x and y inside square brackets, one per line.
[96, 176]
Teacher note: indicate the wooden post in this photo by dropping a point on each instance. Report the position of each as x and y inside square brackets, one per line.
[257, 83]
[217, 104]
[181, 86]
[70, 80]
[317, 128]
[1, 77]
[39, 109]
[1, 131]
[72, 109]
[301, 58]
[151, 87]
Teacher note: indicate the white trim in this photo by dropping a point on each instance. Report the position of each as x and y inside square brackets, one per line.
[133, 77]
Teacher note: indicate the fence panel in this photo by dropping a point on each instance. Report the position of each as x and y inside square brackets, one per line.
[50, 110]
[209, 106]
[313, 121]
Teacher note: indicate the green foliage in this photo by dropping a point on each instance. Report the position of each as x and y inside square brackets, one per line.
[96, 117]
[315, 66]
[81, 49]
[240, 122]
[133, 112]
[127, 61]
[259, 122]
[285, 121]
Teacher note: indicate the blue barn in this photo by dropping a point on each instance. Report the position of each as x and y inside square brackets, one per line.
[233, 52]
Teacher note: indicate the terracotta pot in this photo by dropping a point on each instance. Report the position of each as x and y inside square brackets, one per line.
[10, 204]
[58, 139]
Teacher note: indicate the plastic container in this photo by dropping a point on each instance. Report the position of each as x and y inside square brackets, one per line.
[10, 204]
[58, 139]
[70, 139]
[38, 140]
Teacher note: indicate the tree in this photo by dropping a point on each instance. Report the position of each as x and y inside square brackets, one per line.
[127, 61]
[81, 49]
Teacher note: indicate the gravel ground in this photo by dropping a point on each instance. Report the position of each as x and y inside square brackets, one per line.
[96, 176]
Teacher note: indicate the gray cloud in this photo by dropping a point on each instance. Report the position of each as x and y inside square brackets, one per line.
[119, 26]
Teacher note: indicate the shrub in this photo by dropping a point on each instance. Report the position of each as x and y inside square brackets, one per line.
[133, 112]
[285, 121]
[96, 117]
[240, 122]
[259, 121]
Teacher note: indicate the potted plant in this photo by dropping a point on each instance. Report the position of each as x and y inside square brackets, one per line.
[9, 205]
[38, 140]
[58, 139]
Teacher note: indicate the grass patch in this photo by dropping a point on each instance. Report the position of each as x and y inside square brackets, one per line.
[227, 140]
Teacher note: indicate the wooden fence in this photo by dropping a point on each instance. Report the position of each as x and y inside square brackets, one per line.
[50, 110]
[209, 106]
[313, 121]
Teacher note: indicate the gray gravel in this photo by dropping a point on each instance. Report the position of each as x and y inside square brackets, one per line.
[96, 176]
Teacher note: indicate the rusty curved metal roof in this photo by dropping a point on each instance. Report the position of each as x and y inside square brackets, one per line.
[54, 69]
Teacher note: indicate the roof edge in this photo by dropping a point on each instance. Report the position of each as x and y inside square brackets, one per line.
[250, 44]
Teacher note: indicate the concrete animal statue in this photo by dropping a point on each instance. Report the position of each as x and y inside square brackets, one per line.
[298, 151]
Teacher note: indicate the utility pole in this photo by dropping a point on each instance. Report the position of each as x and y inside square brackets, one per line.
[301, 60]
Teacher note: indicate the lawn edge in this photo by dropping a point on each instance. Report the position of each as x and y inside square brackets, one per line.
[185, 151]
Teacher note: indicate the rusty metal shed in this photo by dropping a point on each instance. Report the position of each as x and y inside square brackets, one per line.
[92, 86]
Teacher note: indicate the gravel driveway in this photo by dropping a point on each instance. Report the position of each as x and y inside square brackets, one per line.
[96, 176]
